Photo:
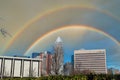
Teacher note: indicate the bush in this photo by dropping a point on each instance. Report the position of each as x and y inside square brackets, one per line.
[72, 77]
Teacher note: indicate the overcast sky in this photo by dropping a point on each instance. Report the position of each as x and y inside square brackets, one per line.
[35, 25]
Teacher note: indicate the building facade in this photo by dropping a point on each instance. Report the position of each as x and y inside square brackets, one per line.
[58, 59]
[113, 71]
[92, 60]
[19, 67]
[46, 63]
[68, 68]
[34, 55]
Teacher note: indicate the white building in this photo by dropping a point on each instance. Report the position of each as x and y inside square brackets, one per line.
[19, 67]
[93, 60]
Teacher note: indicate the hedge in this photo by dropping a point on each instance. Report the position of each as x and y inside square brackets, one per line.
[72, 77]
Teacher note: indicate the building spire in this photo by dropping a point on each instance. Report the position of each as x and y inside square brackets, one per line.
[58, 40]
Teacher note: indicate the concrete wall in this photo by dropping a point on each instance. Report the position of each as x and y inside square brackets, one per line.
[19, 67]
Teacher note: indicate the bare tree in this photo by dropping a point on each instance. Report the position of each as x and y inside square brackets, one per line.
[76, 70]
[68, 68]
[33, 73]
[57, 60]
[5, 33]
[6, 73]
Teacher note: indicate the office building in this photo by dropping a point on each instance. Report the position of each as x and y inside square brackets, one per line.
[46, 63]
[68, 68]
[92, 60]
[34, 55]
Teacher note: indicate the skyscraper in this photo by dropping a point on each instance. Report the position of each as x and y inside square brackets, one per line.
[58, 57]
[46, 62]
[92, 60]
[59, 48]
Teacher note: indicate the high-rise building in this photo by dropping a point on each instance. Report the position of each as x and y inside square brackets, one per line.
[46, 62]
[92, 60]
[58, 57]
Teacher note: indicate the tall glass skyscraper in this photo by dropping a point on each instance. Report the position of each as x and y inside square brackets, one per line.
[58, 55]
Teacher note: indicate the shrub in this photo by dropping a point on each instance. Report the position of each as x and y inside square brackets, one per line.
[72, 77]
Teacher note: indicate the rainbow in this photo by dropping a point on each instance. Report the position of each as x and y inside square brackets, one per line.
[72, 26]
[54, 10]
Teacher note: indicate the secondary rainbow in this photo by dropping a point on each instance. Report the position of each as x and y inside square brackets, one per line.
[54, 10]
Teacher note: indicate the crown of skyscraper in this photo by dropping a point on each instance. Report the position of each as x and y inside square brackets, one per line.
[58, 40]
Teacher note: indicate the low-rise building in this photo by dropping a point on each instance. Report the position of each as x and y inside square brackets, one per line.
[68, 68]
[19, 67]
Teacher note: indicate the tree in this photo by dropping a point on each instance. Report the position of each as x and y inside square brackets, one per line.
[68, 68]
[76, 70]
[57, 59]
[33, 73]
[5, 33]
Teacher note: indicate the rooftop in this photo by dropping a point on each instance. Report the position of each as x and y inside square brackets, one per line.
[58, 40]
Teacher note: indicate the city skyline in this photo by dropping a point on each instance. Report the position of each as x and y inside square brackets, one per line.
[35, 25]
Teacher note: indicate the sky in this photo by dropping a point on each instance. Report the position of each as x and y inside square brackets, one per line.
[82, 24]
